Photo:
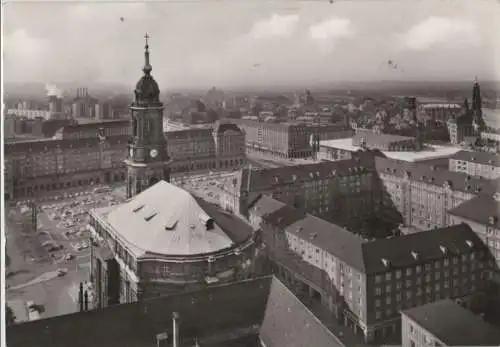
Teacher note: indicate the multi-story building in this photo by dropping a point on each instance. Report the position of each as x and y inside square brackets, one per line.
[440, 112]
[373, 280]
[482, 213]
[422, 194]
[341, 191]
[445, 323]
[469, 122]
[164, 240]
[478, 164]
[373, 139]
[286, 140]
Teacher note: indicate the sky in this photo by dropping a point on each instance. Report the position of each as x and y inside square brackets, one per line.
[252, 42]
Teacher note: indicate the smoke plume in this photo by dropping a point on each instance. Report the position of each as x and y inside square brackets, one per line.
[52, 90]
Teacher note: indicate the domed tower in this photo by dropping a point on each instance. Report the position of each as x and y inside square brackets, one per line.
[148, 161]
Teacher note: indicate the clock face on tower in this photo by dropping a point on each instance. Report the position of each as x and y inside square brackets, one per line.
[153, 153]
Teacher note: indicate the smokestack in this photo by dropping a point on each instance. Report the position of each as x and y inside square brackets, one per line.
[86, 300]
[80, 297]
[175, 324]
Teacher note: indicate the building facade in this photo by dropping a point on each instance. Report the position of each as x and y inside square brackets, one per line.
[478, 164]
[371, 281]
[287, 140]
[373, 139]
[189, 244]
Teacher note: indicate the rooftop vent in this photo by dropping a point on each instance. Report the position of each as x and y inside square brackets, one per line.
[386, 262]
[414, 255]
[467, 187]
[423, 178]
[492, 220]
[313, 235]
[473, 158]
[431, 179]
[469, 243]
[299, 229]
[150, 216]
[138, 208]
[477, 189]
[171, 226]
[443, 249]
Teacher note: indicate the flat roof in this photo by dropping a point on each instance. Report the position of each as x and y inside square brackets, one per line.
[429, 152]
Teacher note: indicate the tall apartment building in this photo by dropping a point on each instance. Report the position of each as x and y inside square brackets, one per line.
[422, 194]
[93, 153]
[342, 190]
[478, 164]
[369, 282]
[287, 140]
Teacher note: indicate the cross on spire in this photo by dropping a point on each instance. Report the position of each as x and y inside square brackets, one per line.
[147, 66]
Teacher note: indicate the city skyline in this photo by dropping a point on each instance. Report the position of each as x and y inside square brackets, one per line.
[196, 44]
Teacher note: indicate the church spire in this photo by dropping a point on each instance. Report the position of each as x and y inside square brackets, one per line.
[147, 66]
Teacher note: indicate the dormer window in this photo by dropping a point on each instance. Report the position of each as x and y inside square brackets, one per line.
[443, 249]
[311, 175]
[294, 177]
[469, 243]
[299, 229]
[386, 262]
[414, 255]
[492, 220]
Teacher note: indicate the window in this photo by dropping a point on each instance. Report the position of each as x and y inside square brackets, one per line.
[378, 315]
[388, 300]
[408, 272]
[378, 291]
[408, 283]
[388, 276]
[418, 269]
[398, 274]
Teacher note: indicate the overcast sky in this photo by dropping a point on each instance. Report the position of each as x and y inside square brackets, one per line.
[253, 42]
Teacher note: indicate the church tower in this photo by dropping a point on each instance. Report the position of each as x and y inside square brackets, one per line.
[147, 161]
[477, 112]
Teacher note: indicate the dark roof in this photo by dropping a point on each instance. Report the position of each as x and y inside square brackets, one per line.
[397, 251]
[49, 144]
[262, 302]
[265, 205]
[222, 127]
[237, 229]
[482, 209]
[332, 238]
[372, 137]
[484, 158]
[95, 126]
[454, 325]
[432, 175]
[189, 133]
[263, 179]
[287, 322]
[283, 217]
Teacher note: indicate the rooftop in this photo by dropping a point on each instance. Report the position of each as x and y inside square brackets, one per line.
[454, 325]
[484, 158]
[458, 181]
[428, 152]
[165, 219]
[265, 205]
[264, 305]
[482, 209]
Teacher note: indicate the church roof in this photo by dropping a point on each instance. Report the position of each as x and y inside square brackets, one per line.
[165, 219]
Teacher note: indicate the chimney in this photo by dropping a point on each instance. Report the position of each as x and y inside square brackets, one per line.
[80, 297]
[86, 300]
[175, 325]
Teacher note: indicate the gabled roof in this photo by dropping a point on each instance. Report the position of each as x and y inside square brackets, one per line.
[431, 175]
[263, 305]
[454, 325]
[407, 250]
[484, 158]
[330, 237]
[265, 205]
[168, 220]
[482, 209]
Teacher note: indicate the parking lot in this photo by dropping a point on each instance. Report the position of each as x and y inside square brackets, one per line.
[45, 264]
[210, 188]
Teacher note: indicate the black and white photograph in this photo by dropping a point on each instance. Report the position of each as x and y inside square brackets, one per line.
[250, 173]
